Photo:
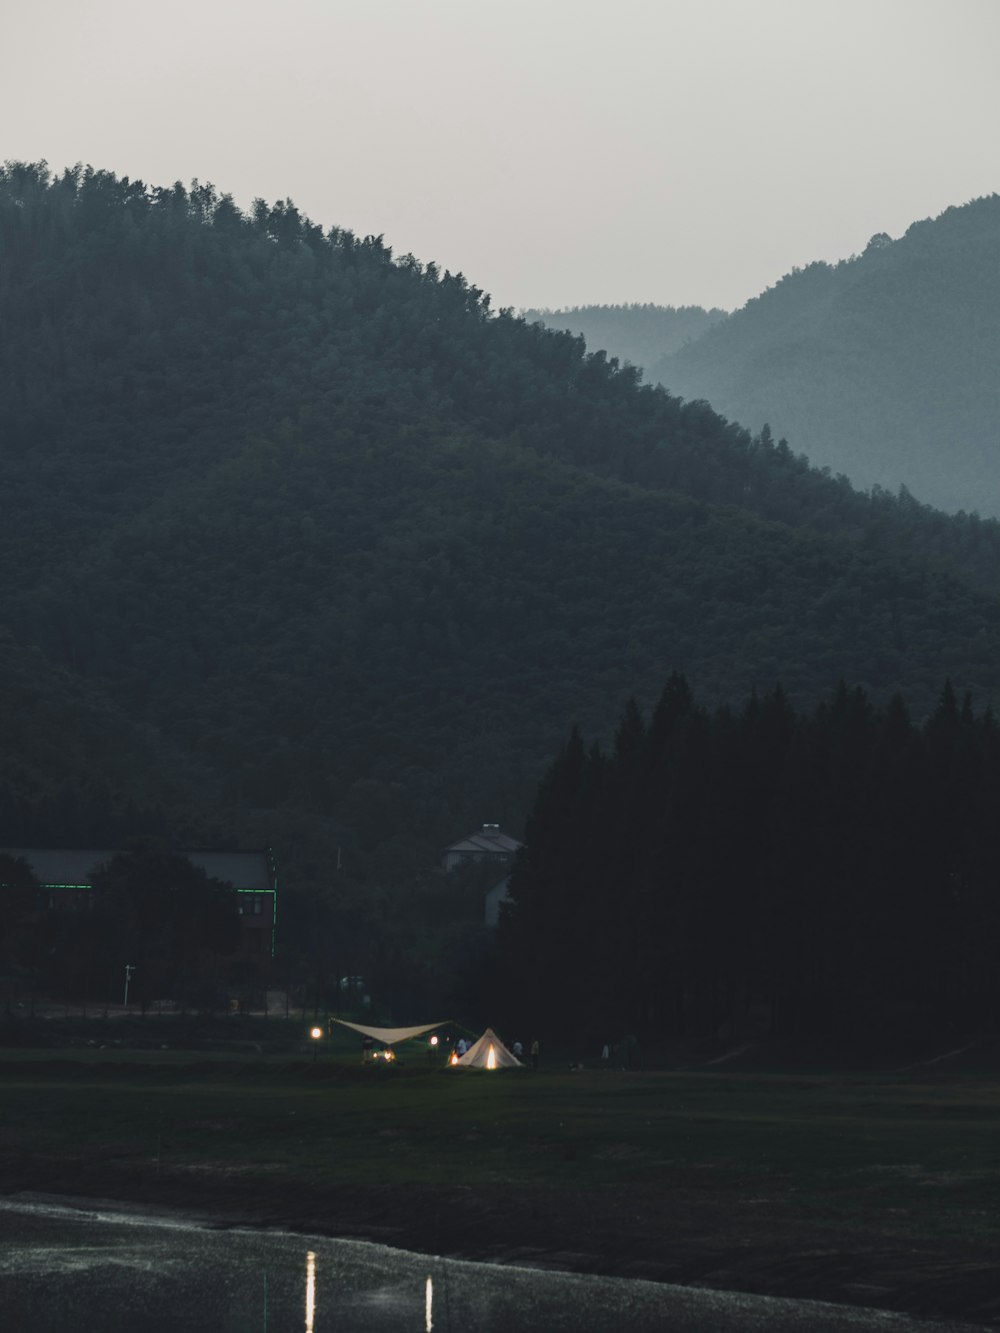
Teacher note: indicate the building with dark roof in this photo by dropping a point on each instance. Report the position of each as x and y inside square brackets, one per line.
[65, 873]
[488, 846]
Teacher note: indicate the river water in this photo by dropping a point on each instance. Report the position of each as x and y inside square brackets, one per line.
[94, 1269]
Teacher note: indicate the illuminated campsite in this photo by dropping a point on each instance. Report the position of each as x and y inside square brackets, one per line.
[487, 1052]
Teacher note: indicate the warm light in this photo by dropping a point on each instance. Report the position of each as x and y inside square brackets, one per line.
[315, 1033]
[434, 1042]
[310, 1291]
[454, 1057]
[429, 1307]
[491, 1059]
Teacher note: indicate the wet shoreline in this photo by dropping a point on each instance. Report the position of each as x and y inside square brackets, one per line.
[171, 1271]
[616, 1238]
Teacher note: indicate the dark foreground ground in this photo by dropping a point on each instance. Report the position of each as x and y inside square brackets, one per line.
[876, 1188]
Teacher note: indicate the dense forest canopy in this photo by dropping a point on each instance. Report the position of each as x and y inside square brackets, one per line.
[883, 367]
[304, 544]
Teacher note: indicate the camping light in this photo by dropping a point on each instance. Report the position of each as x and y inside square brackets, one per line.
[434, 1040]
[491, 1059]
[315, 1033]
[454, 1057]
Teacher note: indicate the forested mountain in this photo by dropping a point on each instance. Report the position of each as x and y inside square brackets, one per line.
[763, 868]
[882, 367]
[305, 544]
[641, 334]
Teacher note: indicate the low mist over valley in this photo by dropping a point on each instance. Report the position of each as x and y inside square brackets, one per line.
[639, 334]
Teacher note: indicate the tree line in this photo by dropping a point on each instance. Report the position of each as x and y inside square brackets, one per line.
[819, 870]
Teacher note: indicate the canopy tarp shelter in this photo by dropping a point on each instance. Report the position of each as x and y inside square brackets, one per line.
[389, 1036]
[488, 1052]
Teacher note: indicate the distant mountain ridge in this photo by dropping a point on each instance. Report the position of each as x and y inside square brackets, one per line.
[639, 334]
[885, 367]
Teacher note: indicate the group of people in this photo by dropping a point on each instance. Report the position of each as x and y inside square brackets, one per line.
[626, 1052]
[517, 1050]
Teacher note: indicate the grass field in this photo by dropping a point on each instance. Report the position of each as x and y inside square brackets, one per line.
[875, 1188]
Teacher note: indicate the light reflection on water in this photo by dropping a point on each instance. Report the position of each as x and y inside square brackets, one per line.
[311, 1296]
[66, 1270]
[310, 1290]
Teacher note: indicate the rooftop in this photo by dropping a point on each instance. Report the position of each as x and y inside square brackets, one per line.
[72, 866]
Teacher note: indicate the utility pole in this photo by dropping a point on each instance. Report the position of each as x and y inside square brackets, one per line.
[129, 969]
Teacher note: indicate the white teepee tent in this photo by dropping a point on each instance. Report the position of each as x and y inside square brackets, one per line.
[488, 1052]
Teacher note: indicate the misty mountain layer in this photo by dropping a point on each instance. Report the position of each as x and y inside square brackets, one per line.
[639, 334]
[885, 367]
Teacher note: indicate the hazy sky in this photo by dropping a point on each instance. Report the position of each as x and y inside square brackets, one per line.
[557, 152]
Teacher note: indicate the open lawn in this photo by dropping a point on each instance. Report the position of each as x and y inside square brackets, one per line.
[871, 1188]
